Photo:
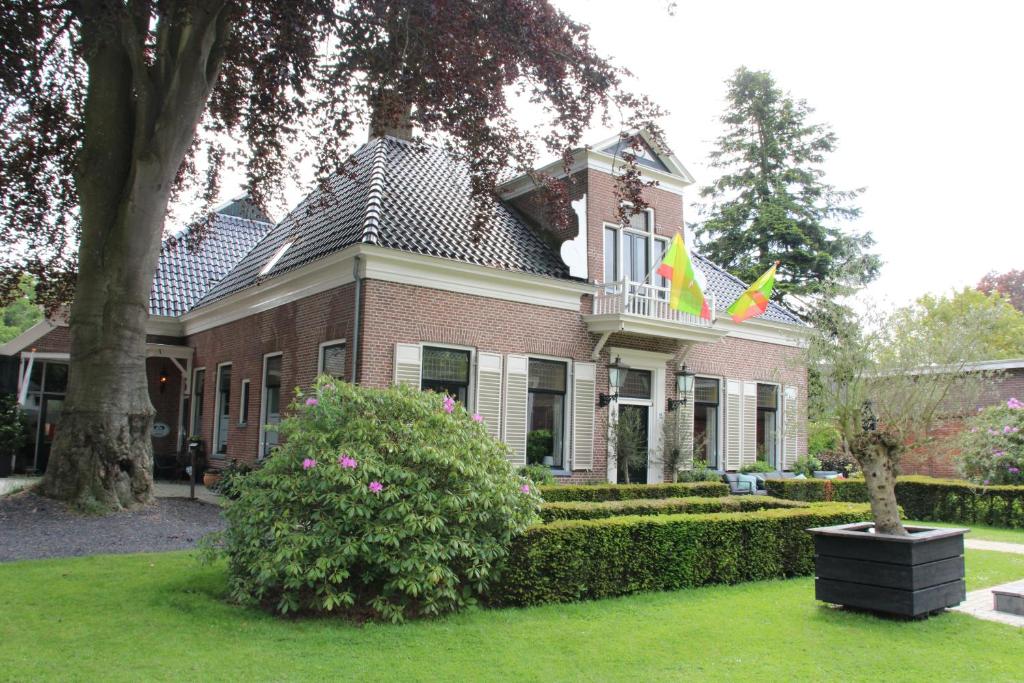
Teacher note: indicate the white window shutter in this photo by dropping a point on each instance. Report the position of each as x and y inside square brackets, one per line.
[517, 370]
[407, 364]
[488, 391]
[790, 427]
[733, 424]
[749, 440]
[584, 386]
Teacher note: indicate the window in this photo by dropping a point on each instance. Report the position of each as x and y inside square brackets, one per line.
[243, 411]
[198, 389]
[545, 440]
[332, 359]
[222, 409]
[446, 371]
[637, 384]
[767, 423]
[276, 257]
[641, 220]
[611, 254]
[705, 420]
[660, 247]
[270, 408]
[635, 256]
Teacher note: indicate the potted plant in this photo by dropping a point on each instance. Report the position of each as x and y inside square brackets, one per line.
[883, 383]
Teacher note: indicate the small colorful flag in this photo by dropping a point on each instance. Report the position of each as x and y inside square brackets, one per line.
[754, 301]
[686, 293]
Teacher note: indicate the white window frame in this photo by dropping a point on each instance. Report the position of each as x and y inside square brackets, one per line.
[471, 385]
[196, 429]
[216, 412]
[244, 402]
[566, 468]
[263, 400]
[719, 419]
[320, 355]
[778, 419]
[651, 235]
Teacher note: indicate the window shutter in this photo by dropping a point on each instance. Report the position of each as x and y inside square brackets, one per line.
[517, 370]
[749, 440]
[790, 427]
[584, 386]
[733, 423]
[407, 364]
[488, 391]
[684, 431]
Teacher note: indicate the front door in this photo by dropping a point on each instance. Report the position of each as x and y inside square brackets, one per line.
[638, 470]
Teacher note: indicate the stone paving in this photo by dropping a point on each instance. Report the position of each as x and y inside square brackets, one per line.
[998, 546]
[980, 604]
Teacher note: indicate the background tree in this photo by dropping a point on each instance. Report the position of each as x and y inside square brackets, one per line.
[21, 313]
[772, 202]
[108, 107]
[910, 380]
[1010, 284]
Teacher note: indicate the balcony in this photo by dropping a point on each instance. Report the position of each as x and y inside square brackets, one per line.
[637, 308]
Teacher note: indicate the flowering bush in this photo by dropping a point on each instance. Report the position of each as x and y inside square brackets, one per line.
[383, 504]
[993, 445]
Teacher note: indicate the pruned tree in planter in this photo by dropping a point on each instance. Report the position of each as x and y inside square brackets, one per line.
[886, 380]
[111, 108]
[627, 443]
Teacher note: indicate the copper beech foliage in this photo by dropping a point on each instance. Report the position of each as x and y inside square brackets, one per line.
[301, 75]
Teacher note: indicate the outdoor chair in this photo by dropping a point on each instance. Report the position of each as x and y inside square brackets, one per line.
[738, 485]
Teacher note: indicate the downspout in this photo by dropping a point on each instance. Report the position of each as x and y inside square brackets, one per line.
[358, 315]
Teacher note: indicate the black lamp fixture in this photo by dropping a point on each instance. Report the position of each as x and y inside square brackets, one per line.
[684, 385]
[868, 419]
[163, 379]
[616, 379]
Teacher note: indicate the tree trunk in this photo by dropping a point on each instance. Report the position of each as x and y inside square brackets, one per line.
[880, 477]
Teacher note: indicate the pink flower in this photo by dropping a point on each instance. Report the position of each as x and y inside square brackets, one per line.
[525, 488]
[449, 404]
[308, 463]
[1013, 470]
[311, 401]
[974, 430]
[346, 462]
[376, 487]
[477, 417]
[1014, 404]
[998, 453]
[1007, 430]
[986, 482]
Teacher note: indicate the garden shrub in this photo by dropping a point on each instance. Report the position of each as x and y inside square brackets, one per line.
[837, 461]
[960, 502]
[379, 503]
[992, 445]
[602, 492]
[538, 474]
[818, 490]
[756, 466]
[231, 478]
[822, 437]
[551, 512]
[539, 443]
[574, 560]
[806, 465]
[699, 472]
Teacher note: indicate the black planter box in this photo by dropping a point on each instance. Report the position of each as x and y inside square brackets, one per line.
[909, 576]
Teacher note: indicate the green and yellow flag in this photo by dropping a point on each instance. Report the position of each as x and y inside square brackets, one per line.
[754, 301]
[686, 294]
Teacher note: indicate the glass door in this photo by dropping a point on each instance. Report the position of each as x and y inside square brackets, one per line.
[638, 470]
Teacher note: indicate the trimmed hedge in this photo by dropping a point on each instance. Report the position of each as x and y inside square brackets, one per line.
[603, 492]
[960, 502]
[551, 512]
[818, 490]
[574, 560]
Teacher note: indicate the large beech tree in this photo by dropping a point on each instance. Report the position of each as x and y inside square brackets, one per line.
[108, 107]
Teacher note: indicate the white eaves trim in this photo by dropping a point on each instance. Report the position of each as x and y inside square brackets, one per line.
[766, 331]
[30, 336]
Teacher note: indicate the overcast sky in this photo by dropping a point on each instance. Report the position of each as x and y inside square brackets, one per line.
[925, 98]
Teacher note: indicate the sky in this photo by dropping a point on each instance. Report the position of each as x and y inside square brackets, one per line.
[924, 97]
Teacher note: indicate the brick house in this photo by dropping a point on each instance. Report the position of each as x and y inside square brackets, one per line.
[384, 283]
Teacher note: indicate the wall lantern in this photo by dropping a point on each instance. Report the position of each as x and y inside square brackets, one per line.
[684, 385]
[868, 419]
[616, 379]
[163, 379]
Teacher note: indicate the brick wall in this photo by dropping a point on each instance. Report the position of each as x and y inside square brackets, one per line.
[57, 340]
[296, 329]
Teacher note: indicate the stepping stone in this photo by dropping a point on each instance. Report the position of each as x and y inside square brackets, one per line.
[1009, 598]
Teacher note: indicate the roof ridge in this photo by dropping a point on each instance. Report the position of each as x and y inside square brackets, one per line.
[375, 193]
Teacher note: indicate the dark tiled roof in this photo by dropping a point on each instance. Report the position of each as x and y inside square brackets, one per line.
[727, 288]
[402, 196]
[185, 274]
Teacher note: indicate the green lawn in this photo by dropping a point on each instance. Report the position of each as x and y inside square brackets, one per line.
[162, 617]
[982, 532]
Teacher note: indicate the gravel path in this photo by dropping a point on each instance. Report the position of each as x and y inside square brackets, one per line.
[32, 527]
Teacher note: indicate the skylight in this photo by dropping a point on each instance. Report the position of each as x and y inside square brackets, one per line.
[276, 257]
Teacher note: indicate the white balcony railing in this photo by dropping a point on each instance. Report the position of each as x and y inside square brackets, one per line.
[645, 300]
